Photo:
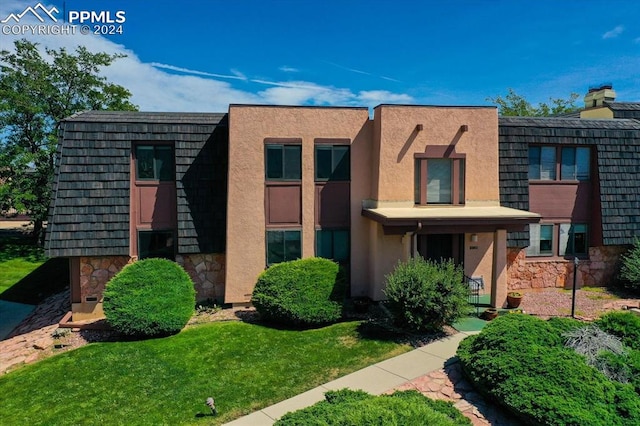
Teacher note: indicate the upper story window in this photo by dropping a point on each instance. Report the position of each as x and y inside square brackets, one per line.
[575, 163]
[283, 162]
[439, 180]
[563, 163]
[542, 163]
[154, 162]
[332, 163]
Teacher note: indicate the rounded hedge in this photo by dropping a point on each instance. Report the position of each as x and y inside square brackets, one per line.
[151, 297]
[349, 407]
[303, 292]
[425, 295]
[522, 363]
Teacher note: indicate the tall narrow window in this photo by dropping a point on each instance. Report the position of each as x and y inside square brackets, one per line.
[332, 163]
[575, 163]
[439, 180]
[283, 162]
[154, 162]
[542, 163]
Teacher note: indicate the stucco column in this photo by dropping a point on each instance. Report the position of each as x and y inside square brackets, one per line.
[499, 281]
[407, 242]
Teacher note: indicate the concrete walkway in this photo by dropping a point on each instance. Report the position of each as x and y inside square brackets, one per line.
[377, 379]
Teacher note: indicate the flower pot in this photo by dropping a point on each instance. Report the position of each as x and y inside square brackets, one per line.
[361, 305]
[514, 299]
[490, 313]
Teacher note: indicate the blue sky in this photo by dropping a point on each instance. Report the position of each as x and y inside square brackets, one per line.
[202, 55]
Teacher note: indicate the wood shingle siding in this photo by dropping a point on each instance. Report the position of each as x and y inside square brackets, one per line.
[617, 148]
[89, 211]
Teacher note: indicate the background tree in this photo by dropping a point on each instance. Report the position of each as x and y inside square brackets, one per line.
[37, 92]
[515, 105]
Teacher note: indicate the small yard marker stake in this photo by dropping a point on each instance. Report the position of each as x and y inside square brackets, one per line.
[573, 293]
[211, 403]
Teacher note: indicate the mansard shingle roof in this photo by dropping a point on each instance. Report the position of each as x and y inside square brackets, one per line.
[625, 109]
[89, 212]
[617, 146]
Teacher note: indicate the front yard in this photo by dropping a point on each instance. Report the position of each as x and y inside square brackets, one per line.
[166, 381]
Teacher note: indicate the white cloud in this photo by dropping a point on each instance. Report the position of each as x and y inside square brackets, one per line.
[614, 32]
[374, 97]
[195, 72]
[286, 68]
[153, 89]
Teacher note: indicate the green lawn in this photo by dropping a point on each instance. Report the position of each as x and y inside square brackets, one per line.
[14, 270]
[244, 367]
[26, 275]
[17, 260]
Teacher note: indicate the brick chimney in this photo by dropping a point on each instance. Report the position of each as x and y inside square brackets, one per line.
[598, 95]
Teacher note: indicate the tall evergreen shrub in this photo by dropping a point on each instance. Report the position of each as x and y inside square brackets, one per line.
[630, 271]
[426, 295]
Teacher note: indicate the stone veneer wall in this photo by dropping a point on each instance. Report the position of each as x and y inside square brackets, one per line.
[207, 273]
[599, 270]
[95, 272]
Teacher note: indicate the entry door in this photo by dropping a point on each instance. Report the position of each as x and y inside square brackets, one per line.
[439, 247]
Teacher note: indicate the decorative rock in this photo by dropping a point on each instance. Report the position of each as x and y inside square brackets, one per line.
[44, 343]
[523, 272]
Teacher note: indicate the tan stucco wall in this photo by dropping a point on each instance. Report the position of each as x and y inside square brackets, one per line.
[478, 257]
[385, 251]
[360, 190]
[602, 112]
[382, 170]
[399, 140]
[499, 283]
[396, 140]
[248, 128]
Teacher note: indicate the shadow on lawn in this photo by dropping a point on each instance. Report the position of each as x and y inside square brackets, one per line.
[376, 330]
[48, 279]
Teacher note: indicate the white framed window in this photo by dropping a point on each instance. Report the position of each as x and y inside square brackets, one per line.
[573, 239]
[540, 240]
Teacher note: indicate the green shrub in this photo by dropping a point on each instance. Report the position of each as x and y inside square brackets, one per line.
[303, 292]
[347, 407]
[630, 270]
[521, 362]
[425, 295]
[563, 325]
[151, 297]
[625, 325]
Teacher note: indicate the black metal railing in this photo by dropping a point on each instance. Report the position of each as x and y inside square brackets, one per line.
[475, 284]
